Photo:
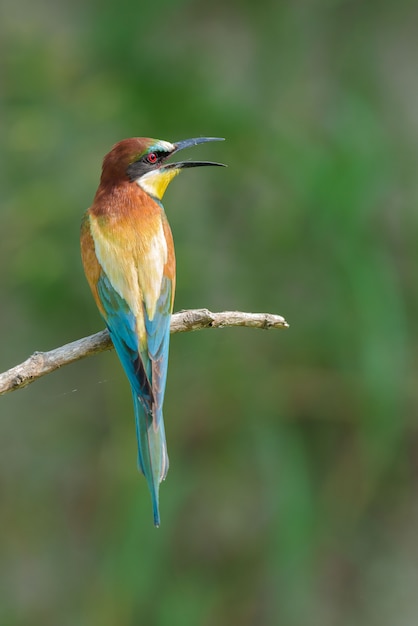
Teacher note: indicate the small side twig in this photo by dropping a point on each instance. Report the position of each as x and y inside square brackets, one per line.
[42, 363]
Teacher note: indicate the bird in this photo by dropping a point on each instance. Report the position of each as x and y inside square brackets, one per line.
[129, 261]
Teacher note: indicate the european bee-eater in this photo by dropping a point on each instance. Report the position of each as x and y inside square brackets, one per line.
[128, 256]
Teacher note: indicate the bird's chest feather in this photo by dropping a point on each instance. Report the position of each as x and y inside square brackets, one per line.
[132, 251]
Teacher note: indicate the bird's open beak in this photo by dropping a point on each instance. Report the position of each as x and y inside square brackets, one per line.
[156, 181]
[187, 143]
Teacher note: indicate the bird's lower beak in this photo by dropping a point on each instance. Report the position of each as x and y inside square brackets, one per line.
[187, 143]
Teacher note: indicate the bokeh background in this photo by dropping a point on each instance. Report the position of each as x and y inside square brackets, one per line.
[292, 496]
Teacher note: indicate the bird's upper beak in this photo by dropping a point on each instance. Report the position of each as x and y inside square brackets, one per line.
[187, 143]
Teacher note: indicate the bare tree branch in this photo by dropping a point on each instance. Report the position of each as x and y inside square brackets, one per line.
[42, 363]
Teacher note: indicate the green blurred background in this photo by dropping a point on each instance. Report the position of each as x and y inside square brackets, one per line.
[292, 497]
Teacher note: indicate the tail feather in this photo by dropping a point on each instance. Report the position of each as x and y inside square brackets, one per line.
[152, 451]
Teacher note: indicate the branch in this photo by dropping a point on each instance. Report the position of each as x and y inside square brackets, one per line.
[42, 363]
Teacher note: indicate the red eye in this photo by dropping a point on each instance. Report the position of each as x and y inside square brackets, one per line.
[152, 157]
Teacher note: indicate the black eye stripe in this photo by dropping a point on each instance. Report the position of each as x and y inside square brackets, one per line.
[136, 169]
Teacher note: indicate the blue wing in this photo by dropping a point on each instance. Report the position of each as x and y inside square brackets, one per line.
[146, 369]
